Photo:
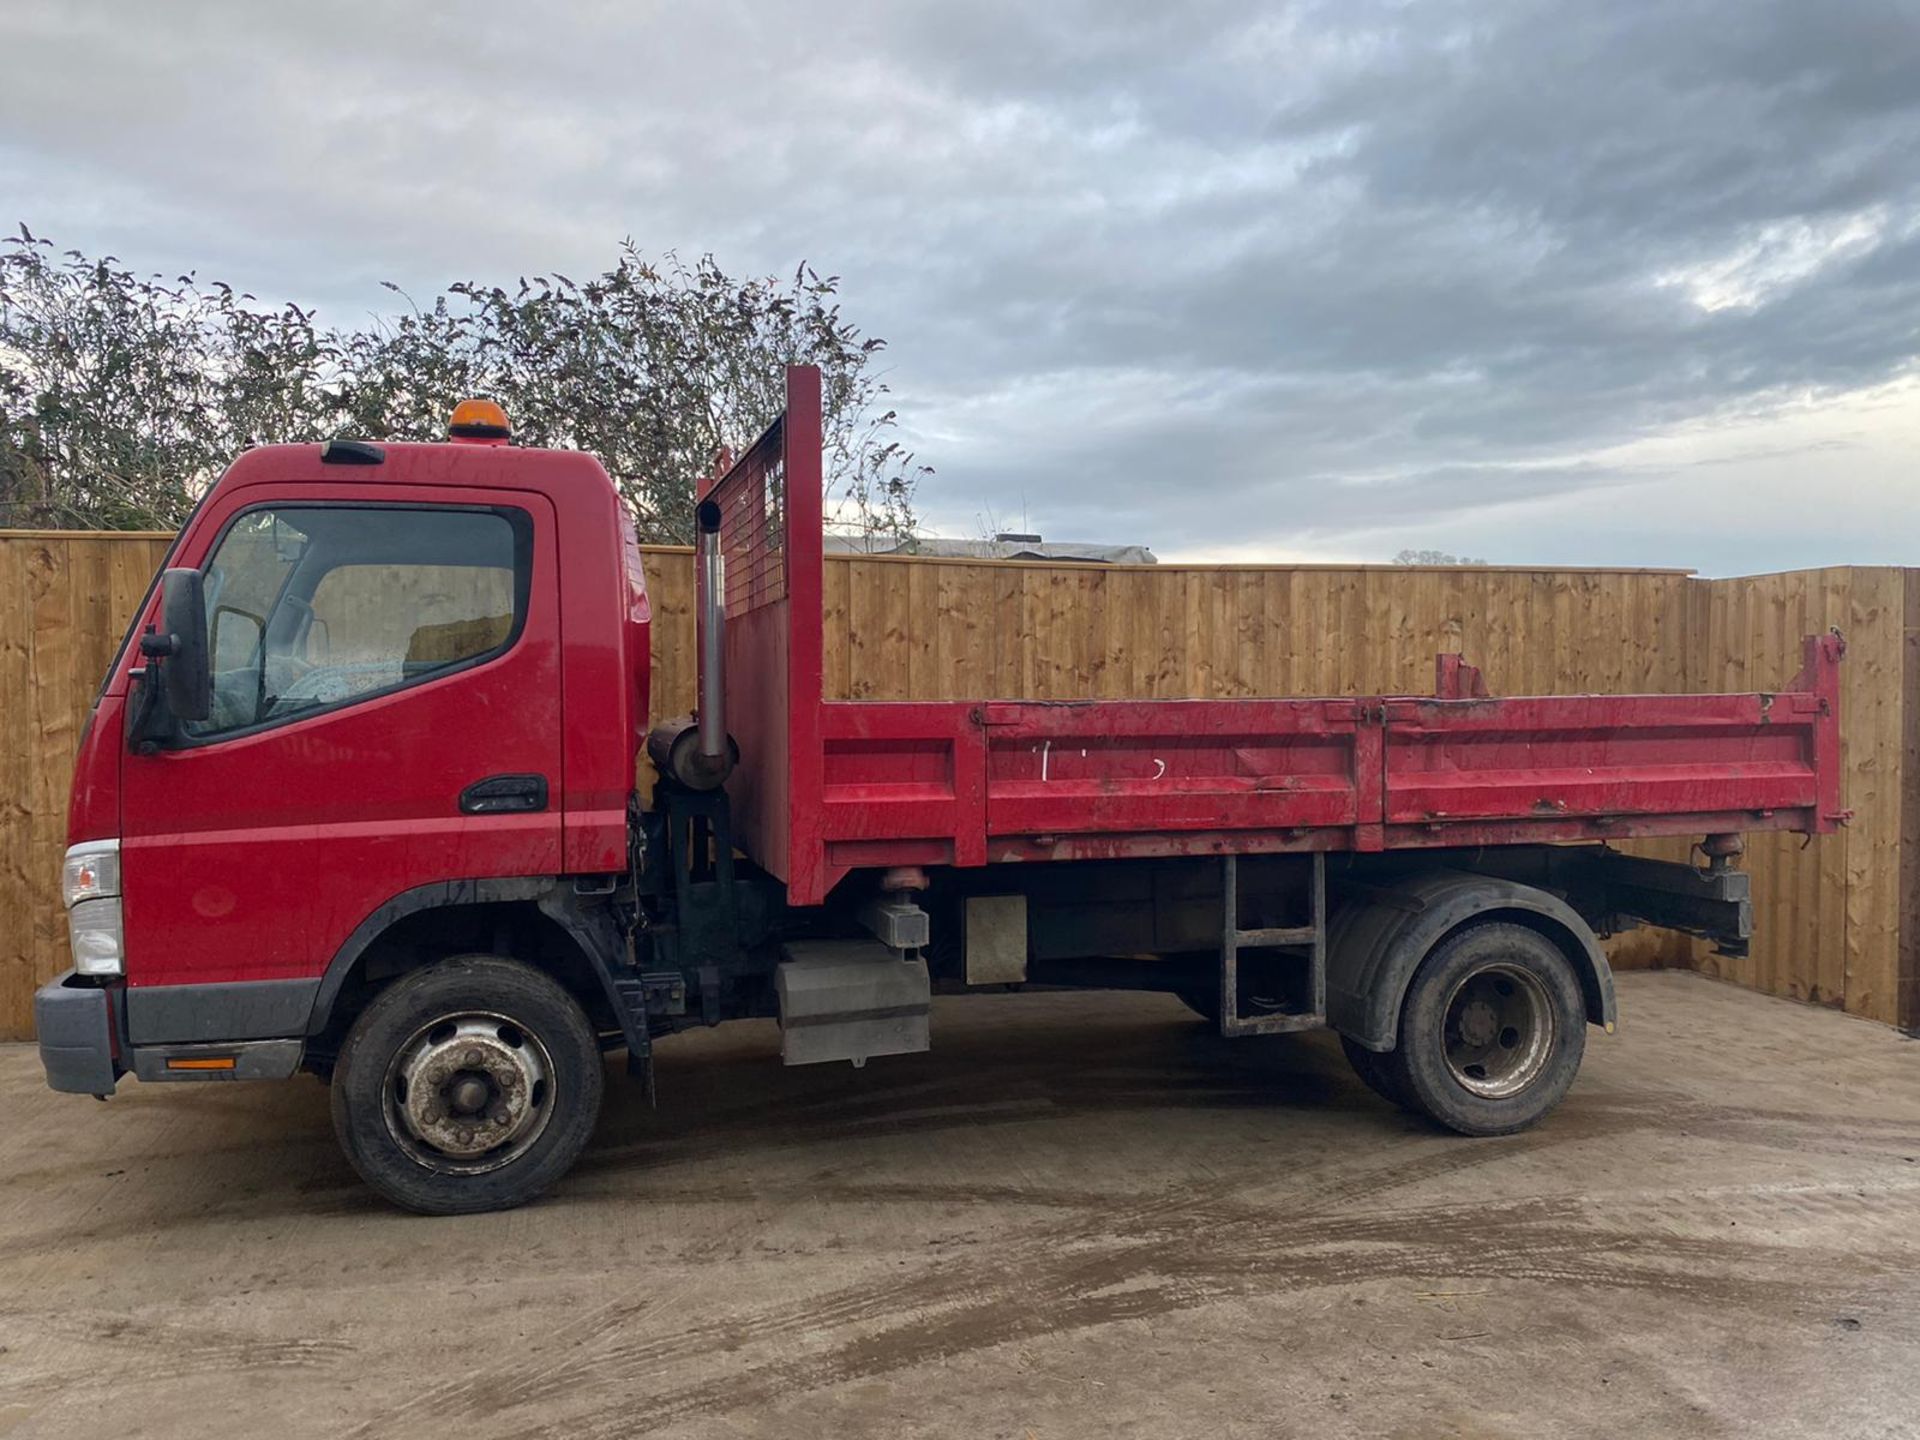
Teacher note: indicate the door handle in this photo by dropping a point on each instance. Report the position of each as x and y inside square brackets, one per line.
[504, 795]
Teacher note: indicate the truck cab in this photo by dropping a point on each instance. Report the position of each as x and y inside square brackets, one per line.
[427, 671]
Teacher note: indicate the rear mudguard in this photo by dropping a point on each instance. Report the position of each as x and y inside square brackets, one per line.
[1376, 943]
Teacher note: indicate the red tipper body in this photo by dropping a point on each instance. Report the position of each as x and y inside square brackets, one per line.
[826, 787]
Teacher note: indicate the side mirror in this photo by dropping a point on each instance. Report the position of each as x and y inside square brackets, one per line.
[181, 645]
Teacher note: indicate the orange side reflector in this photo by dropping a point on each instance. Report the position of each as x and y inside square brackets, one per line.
[212, 1062]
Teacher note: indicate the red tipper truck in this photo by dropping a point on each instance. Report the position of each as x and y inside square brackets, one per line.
[356, 798]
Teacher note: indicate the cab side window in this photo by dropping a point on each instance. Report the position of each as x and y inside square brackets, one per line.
[314, 607]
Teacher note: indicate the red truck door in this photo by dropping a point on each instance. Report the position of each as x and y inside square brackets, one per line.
[386, 714]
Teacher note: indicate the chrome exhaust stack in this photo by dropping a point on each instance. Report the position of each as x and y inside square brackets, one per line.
[713, 639]
[695, 749]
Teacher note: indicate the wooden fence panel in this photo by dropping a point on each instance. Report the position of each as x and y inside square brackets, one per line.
[64, 603]
[923, 629]
[1827, 917]
[1907, 963]
[1834, 920]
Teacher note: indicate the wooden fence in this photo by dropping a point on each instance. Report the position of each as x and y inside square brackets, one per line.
[1836, 922]
[64, 602]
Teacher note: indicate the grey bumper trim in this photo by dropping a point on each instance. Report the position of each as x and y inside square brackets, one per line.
[74, 1023]
[219, 1013]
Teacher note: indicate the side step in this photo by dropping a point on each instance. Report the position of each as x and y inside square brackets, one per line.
[849, 1000]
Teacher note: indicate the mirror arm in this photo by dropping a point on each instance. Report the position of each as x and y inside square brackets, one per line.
[150, 724]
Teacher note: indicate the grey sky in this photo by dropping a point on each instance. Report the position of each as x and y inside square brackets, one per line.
[1584, 283]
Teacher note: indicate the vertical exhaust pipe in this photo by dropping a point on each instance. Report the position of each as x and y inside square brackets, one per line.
[695, 750]
[713, 640]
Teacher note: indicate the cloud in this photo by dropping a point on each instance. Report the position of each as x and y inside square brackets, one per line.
[1328, 278]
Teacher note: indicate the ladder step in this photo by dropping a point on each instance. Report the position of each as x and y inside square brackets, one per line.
[1298, 935]
[1310, 1006]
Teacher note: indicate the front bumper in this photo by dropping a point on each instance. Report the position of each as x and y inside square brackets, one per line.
[78, 1044]
[84, 1050]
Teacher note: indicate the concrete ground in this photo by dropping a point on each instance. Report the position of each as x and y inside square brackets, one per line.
[1077, 1217]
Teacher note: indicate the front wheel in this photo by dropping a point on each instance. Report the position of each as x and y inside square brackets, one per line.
[471, 1084]
[1492, 1031]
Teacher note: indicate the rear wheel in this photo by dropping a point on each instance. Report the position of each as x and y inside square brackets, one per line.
[472, 1084]
[1492, 1031]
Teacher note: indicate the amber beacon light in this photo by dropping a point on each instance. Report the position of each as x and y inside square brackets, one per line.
[479, 420]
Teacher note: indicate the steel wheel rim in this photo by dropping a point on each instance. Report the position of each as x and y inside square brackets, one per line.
[468, 1092]
[1498, 1031]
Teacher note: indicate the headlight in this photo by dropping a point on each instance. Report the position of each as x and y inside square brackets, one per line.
[90, 884]
[93, 927]
[92, 870]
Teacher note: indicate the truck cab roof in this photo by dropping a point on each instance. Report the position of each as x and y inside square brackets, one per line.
[447, 462]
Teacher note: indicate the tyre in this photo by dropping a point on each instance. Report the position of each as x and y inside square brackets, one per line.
[1376, 1069]
[471, 1084]
[1491, 1031]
